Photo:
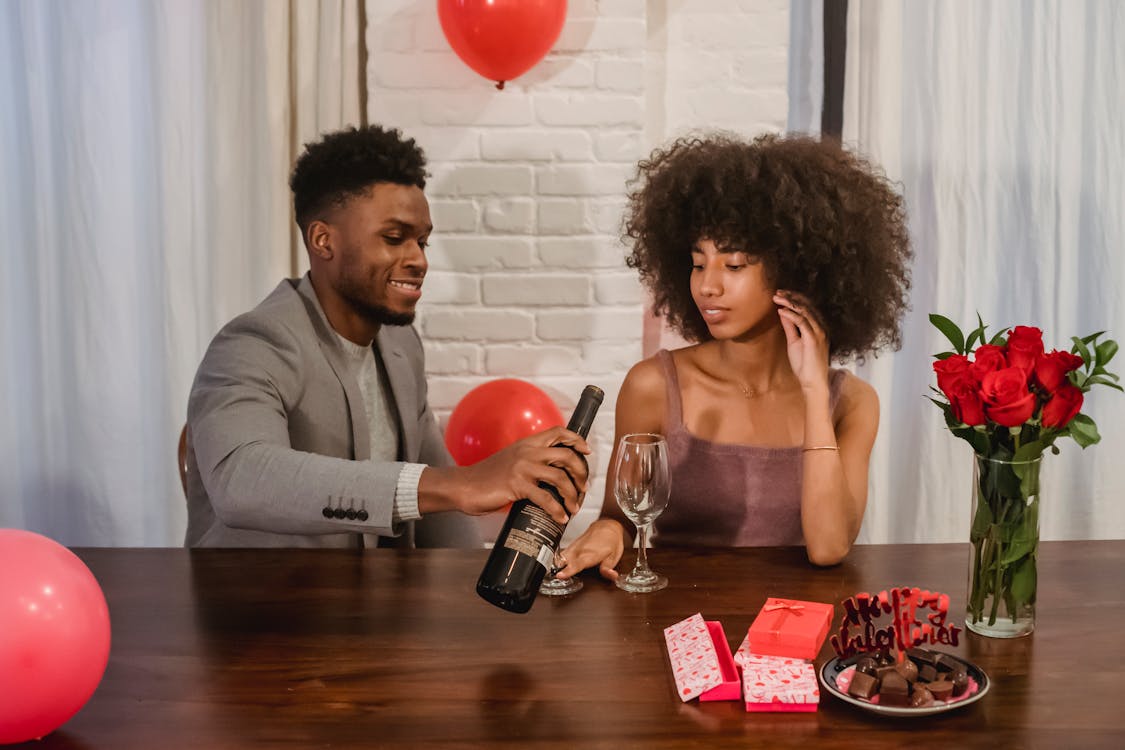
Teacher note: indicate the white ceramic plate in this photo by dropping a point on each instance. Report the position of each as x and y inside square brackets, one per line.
[832, 668]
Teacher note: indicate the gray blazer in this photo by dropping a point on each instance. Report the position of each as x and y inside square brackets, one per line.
[278, 433]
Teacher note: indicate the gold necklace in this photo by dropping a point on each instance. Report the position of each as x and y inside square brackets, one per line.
[750, 392]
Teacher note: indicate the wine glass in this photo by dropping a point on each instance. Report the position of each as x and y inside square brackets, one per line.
[641, 485]
[552, 586]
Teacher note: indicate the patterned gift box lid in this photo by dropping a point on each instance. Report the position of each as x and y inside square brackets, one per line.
[695, 662]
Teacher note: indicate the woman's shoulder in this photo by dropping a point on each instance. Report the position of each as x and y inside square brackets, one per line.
[646, 378]
[642, 401]
[652, 373]
[855, 395]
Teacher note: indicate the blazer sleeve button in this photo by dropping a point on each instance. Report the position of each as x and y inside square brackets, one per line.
[351, 514]
[339, 513]
[361, 515]
[327, 512]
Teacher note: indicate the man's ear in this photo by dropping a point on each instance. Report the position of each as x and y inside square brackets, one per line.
[318, 239]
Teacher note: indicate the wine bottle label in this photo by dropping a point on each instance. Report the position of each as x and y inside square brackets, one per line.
[534, 534]
[546, 558]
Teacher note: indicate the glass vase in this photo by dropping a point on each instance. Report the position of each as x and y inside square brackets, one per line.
[1004, 547]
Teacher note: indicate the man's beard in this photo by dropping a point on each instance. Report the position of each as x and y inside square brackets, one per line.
[354, 294]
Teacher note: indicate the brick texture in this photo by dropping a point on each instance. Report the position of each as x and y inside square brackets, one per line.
[527, 185]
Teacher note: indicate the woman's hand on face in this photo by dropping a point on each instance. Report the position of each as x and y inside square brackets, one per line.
[807, 343]
[602, 545]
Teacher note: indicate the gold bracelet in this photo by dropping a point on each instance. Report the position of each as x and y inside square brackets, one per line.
[821, 448]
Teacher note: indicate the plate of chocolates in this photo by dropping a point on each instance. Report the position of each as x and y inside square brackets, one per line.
[918, 683]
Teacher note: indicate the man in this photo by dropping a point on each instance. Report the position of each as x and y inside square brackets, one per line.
[308, 420]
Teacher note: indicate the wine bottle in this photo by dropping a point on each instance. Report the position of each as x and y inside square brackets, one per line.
[529, 538]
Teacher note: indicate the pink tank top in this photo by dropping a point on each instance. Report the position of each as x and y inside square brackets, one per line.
[729, 495]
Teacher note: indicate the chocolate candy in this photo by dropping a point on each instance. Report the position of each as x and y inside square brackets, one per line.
[883, 670]
[908, 670]
[863, 685]
[894, 690]
[866, 665]
[960, 680]
[925, 677]
[941, 689]
[945, 663]
[921, 697]
[920, 656]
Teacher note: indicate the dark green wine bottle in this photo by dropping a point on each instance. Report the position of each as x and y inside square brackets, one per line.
[526, 546]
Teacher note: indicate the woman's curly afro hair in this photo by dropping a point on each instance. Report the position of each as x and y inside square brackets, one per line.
[347, 162]
[824, 221]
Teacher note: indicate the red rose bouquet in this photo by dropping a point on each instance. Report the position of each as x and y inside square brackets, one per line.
[1011, 400]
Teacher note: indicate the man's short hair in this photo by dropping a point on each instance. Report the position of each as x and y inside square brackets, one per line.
[347, 163]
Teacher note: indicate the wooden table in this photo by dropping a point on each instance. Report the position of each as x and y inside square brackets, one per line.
[287, 648]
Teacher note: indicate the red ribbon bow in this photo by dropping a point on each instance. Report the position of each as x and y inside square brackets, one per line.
[785, 607]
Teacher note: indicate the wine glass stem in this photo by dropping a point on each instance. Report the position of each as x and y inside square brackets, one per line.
[642, 554]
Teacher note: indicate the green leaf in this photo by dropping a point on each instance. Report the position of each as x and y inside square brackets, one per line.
[1105, 351]
[998, 338]
[976, 335]
[1006, 481]
[972, 436]
[1084, 431]
[1029, 480]
[1028, 472]
[972, 339]
[1020, 546]
[1091, 337]
[1102, 380]
[944, 355]
[951, 331]
[1081, 350]
[1023, 581]
[981, 521]
[1028, 452]
[945, 407]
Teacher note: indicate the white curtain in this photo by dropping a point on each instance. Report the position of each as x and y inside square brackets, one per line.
[1005, 123]
[145, 149]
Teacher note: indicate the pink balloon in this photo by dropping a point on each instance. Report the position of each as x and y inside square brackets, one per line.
[54, 635]
[494, 415]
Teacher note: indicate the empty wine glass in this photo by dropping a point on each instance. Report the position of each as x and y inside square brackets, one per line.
[552, 586]
[641, 485]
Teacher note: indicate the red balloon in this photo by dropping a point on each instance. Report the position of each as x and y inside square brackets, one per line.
[494, 415]
[54, 635]
[501, 39]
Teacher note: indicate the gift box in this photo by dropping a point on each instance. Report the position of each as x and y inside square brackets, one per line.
[702, 664]
[787, 627]
[743, 652]
[778, 683]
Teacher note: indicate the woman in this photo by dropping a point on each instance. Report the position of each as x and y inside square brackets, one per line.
[776, 256]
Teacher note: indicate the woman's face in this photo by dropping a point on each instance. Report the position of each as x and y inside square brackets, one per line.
[731, 291]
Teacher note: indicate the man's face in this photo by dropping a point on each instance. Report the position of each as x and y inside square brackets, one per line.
[380, 238]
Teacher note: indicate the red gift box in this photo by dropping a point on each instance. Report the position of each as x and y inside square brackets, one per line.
[787, 627]
[730, 689]
[701, 660]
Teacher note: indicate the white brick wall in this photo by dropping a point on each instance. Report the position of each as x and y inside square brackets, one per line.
[527, 185]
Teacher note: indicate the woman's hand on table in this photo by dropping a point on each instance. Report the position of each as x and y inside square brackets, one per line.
[600, 546]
